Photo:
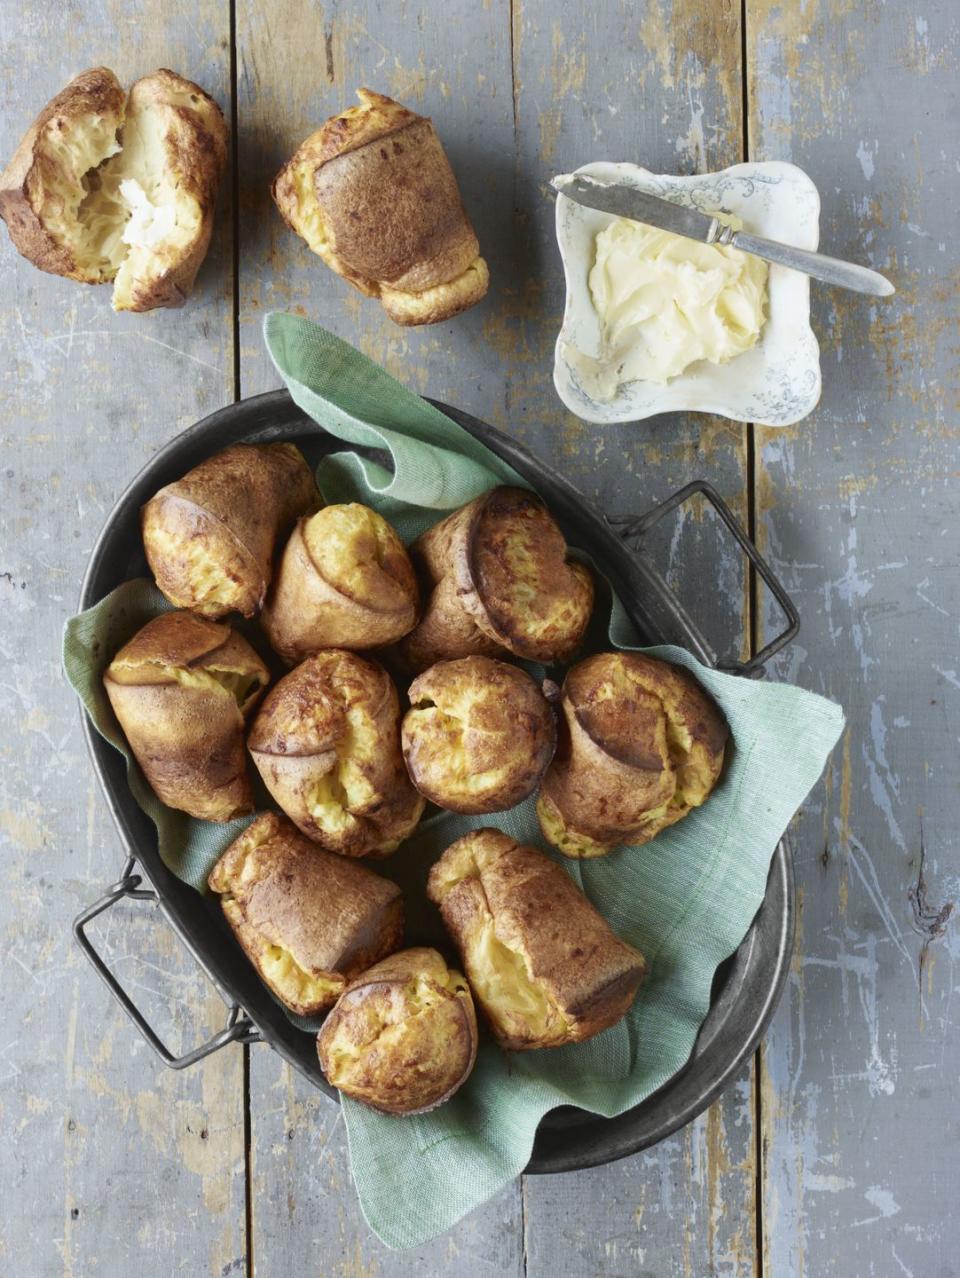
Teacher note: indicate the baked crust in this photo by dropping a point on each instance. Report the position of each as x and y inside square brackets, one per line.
[309, 921]
[327, 744]
[403, 1035]
[543, 964]
[344, 581]
[210, 537]
[641, 744]
[502, 582]
[181, 690]
[478, 735]
[373, 194]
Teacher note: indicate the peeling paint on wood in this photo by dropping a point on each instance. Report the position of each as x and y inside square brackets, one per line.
[111, 1165]
[857, 510]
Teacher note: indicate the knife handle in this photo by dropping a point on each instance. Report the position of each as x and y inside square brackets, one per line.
[829, 269]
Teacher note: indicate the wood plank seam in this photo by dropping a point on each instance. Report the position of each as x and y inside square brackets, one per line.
[754, 641]
[235, 330]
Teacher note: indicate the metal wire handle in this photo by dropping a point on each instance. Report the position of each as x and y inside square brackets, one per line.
[238, 1029]
[637, 526]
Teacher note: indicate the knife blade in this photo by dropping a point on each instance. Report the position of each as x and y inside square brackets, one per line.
[641, 206]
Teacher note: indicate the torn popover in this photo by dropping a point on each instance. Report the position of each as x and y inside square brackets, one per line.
[110, 187]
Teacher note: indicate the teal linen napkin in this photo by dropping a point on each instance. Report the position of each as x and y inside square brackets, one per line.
[686, 900]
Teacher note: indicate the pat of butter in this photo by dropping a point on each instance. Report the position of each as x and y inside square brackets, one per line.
[148, 224]
[665, 302]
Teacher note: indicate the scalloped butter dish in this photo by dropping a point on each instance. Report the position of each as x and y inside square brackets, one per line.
[774, 383]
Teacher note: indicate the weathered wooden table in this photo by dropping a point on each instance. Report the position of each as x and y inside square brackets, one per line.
[837, 1150]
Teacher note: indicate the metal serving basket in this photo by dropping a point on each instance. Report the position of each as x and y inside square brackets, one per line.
[746, 988]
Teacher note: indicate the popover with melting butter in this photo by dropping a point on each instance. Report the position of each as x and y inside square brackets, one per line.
[181, 690]
[543, 964]
[107, 185]
[210, 537]
[327, 743]
[308, 920]
[478, 735]
[640, 745]
[403, 1035]
[344, 581]
[502, 581]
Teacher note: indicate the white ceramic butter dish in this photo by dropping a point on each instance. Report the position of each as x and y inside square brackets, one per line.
[777, 382]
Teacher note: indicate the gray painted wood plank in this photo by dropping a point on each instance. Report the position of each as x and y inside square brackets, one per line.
[684, 1208]
[111, 1164]
[858, 510]
[457, 70]
[695, 1193]
[306, 1217]
[584, 92]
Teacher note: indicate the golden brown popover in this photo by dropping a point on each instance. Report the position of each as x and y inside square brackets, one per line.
[309, 921]
[640, 745]
[542, 963]
[502, 582]
[106, 186]
[372, 193]
[478, 735]
[181, 689]
[403, 1035]
[210, 537]
[327, 743]
[344, 581]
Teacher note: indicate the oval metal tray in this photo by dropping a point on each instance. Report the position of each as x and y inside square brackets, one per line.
[746, 988]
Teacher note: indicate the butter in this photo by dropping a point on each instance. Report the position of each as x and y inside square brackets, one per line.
[149, 224]
[664, 302]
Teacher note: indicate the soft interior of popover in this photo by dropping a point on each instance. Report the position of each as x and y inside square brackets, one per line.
[521, 1006]
[193, 567]
[163, 218]
[303, 211]
[281, 970]
[81, 150]
[502, 982]
[346, 788]
[298, 986]
[237, 683]
[134, 218]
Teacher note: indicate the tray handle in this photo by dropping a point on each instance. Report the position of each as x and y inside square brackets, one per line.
[637, 526]
[238, 1029]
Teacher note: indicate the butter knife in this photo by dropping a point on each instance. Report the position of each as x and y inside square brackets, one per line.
[641, 206]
